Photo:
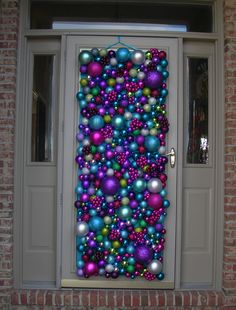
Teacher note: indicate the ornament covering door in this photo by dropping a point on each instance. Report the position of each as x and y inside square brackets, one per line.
[119, 211]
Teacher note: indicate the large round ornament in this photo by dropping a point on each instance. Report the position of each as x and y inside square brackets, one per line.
[155, 266]
[96, 122]
[96, 137]
[137, 57]
[96, 223]
[85, 57]
[122, 54]
[125, 213]
[153, 79]
[151, 143]
[143, 254]
[154, 185]
[154, 201]
[139, 185]
[82, 229]
[118, 122]
[110, 185]
[94, 69]
[90, 269]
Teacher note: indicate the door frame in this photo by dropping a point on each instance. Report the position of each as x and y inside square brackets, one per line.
[26, 34]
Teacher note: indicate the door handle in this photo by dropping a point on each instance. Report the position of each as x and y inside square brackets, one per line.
[172, 155]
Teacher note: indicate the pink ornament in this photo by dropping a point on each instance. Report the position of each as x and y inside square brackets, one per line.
[154, 201]
[96, 137]
[90, 269]
[94, 69]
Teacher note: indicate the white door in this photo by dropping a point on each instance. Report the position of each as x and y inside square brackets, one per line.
[74, 45]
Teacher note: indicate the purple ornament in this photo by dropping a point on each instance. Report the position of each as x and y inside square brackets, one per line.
[110, 185]
[143, 254]
[153, 79]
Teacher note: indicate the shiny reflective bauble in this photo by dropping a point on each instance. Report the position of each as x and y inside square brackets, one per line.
[153, 79]
[94, 69]
[122, 54]
[82, 229]
[90, 269]
[96, 122]
[137, 57]
[118, 122]
[151, 143]
[85, 57]
[154, 201]
[154, 185]
[143, 254]
[96, 223]
[110, 185]
[96, 137]
[155, 266]
[139, 185]
[125, 213]
[109, 268]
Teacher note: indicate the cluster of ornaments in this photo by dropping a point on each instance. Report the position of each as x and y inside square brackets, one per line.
[121, 197]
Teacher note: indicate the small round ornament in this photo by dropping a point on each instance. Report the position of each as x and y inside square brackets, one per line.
[96, 122]
[96, 223]
[125, 213]
[82, 229]
[139, 185]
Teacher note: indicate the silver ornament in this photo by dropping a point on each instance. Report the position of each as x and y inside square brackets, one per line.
[82, 229]
[162, 150]
[155, 267]
[109, 268]
[137, 57]
[154, 185]
[141, 75]
[110, 172]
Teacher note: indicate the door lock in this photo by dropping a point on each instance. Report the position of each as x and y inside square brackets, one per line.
[172, 155]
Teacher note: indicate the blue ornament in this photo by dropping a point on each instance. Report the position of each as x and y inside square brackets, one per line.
[96, 122]
[152, 143]
[96, 223]
[166, 203]
[122, 54]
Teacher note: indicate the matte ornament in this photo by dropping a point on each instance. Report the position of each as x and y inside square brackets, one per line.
[154, 201]
[152, 143]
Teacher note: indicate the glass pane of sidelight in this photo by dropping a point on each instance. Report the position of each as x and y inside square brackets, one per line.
[198, 106]
[42, 109]
[169, 17]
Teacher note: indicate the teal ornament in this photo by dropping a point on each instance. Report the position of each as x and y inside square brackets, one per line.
[96, 122]
[139, 185]
[96, 223]
[152, 143]
[125, 212]
[165, 74]
[164, 92]
[164, 63]
[166, 203]
[85, 57]
[118, 122]
[122, 54]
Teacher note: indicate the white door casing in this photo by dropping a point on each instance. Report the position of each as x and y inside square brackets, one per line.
[74, 44]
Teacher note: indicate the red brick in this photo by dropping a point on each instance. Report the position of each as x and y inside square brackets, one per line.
[102, 298]
[135, 300]
[93, 298]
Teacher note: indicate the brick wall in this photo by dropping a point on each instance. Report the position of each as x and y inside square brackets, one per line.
[82, 299]
[8, 44]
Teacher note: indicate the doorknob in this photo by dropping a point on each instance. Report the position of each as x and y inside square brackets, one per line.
[172, 155]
